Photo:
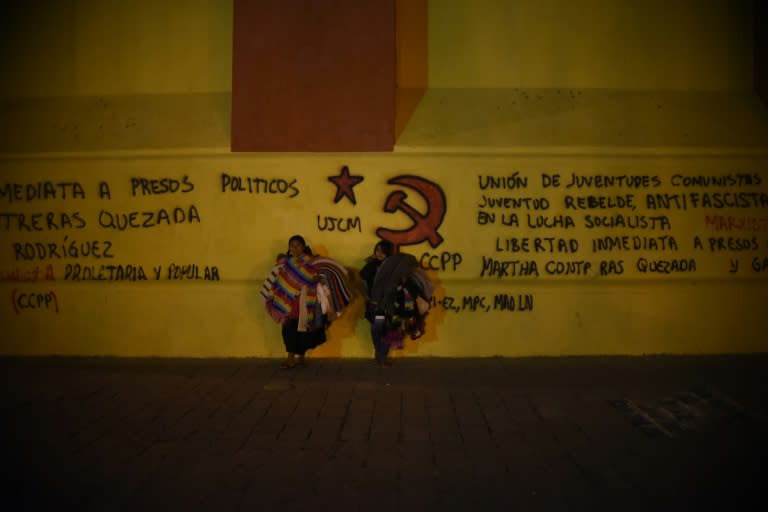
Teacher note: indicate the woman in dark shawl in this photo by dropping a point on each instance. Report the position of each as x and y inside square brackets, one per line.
[394, 283]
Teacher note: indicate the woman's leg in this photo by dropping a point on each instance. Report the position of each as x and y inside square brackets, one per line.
[300, 361]
[306, 341]
[290, 340]
[380, 347]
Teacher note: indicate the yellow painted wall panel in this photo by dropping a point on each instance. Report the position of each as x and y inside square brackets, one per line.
[639, 44]
[112, 47]
[625, 255]
[87, 47]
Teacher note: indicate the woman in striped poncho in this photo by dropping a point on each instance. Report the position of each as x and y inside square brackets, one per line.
[303, 293]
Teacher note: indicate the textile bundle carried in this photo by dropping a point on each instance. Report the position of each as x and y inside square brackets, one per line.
[308, 288]
[400, 297]
[392, 272]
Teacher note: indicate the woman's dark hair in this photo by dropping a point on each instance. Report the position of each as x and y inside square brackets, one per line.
[297, 238]
[386, 247]
[300, 239]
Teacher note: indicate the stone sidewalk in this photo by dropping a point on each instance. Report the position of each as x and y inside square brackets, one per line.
[574, 433]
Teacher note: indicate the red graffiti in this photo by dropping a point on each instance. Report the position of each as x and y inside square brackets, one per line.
[424, 225]
[27, 274]
[344, 185]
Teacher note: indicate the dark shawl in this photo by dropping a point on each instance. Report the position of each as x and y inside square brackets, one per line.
[388, 276]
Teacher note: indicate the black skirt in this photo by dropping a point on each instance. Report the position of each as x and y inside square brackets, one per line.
[299, 342]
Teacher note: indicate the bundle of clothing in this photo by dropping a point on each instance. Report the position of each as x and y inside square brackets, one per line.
[312, 289]
[399, 296]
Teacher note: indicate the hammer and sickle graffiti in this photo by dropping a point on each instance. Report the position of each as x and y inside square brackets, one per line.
[424, 225]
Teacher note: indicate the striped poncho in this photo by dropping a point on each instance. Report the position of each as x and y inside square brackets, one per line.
[306, 288]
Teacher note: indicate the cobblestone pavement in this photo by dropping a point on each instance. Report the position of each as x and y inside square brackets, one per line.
[573, 433]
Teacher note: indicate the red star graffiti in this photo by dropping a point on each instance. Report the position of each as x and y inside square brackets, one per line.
[344, 183]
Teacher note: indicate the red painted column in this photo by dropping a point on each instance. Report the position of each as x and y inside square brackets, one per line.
[313, 75]
[412, 50]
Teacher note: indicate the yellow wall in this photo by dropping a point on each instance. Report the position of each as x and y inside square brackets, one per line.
[114, 47]
[97, 97]
[638, 44]
[707, 309]
[108, 47]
